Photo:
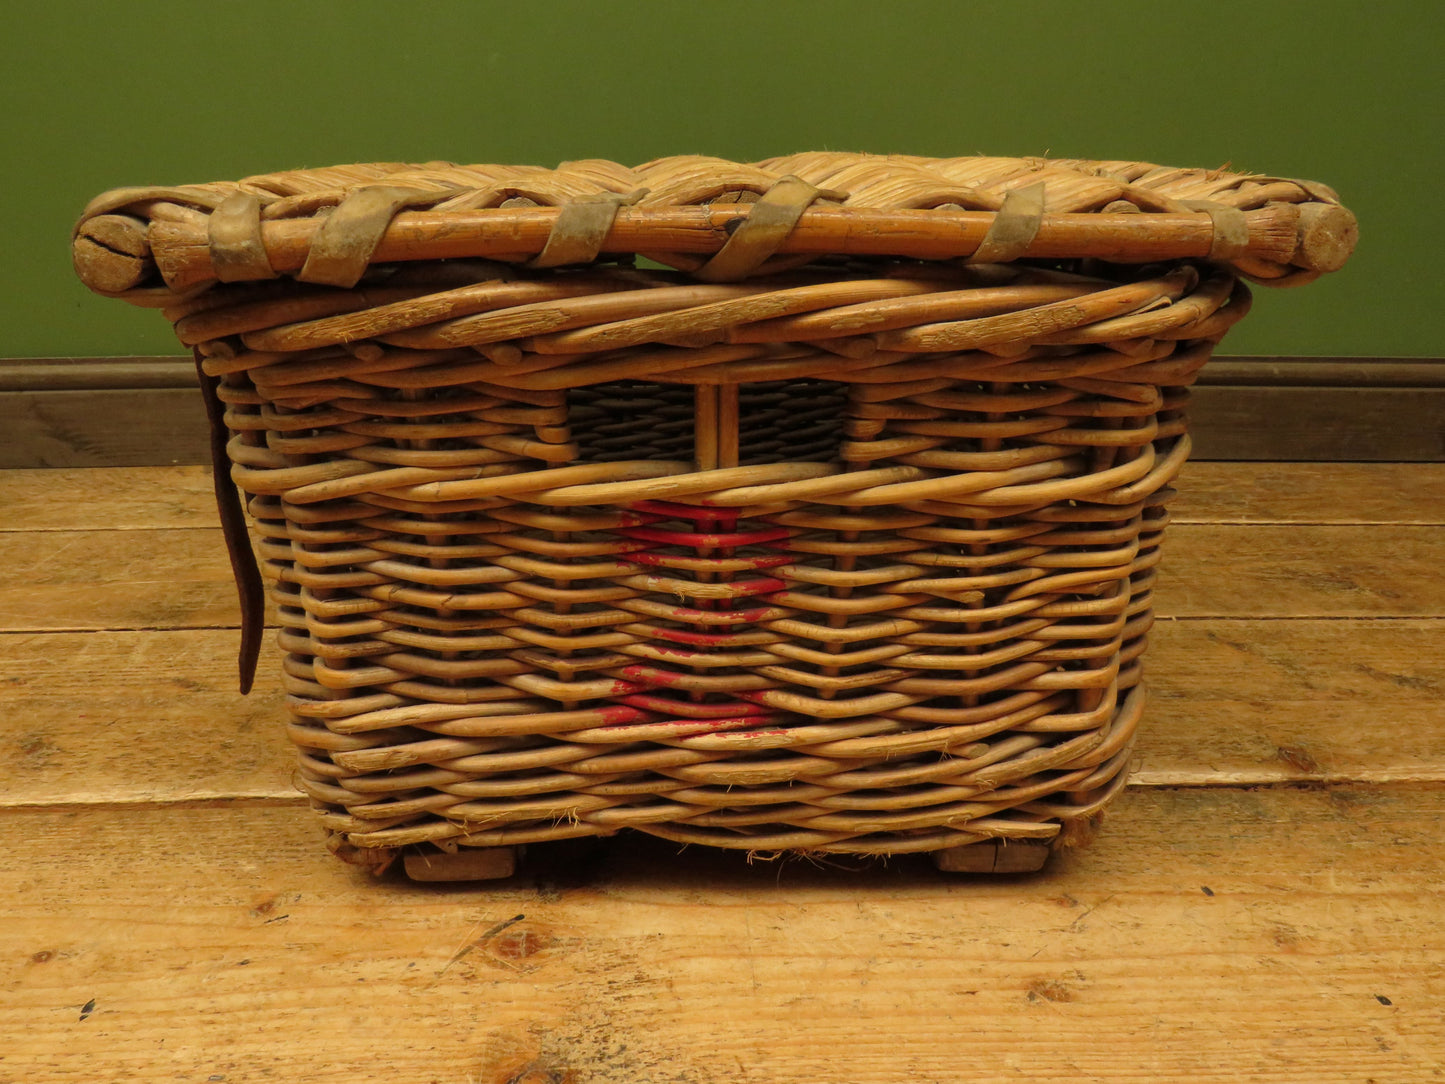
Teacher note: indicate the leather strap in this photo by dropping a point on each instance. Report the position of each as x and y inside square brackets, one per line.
[1014, 226]
[1231, 229]
[237, 252]
[582, 227]
[764, 230]
[341, 250]
[249, 587]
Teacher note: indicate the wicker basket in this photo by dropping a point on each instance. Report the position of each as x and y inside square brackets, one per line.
[808, 505]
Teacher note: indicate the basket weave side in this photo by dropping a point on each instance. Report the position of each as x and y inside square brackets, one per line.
[802, 544]
[502, 627]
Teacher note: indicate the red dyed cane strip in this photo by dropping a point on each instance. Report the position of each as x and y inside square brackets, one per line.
[763, 585]
[697, 639]
[667, 729]
[620, 714]
[727, 617]
[769, 560]
[654, 704]
[700, 540]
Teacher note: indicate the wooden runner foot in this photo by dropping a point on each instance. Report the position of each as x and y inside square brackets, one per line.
[467, 864]
[994, 856]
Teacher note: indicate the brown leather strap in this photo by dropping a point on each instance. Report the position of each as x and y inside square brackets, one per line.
[341, 250]
[249, 588]
[582, 227]
[765, 229]
[1014, 226]
[1231, 229]
[237, 252]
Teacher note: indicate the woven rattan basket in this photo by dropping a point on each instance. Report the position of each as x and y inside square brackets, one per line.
[807, 505]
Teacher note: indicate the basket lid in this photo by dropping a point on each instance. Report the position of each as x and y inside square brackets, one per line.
[718, 220]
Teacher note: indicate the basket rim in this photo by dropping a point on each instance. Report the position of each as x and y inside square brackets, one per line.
[715, 219]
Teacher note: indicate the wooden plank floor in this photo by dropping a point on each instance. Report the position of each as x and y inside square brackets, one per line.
[1264, 903]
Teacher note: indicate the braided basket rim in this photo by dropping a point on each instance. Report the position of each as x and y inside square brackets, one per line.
[683, 209]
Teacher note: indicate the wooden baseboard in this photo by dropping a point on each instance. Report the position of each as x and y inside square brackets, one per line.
[146, 411]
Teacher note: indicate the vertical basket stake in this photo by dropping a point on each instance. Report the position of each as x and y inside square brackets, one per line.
[715, 426]
[705, 427]
[727, 425]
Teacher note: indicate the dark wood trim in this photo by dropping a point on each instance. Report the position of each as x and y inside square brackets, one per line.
[140, 411]
[96, 374]
[165, 371]
[1323, 424]
[1324, 372]
[103, 427]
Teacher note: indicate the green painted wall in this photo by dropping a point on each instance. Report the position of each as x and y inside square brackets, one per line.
[97, 95]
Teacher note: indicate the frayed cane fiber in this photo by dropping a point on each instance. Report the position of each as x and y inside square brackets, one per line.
[808, 505]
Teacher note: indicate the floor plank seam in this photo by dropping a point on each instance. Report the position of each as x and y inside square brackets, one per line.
[1225, 781]
[1183, 521]
[1180, 520]
[132, 528]
[31, 630]
[115, 805]
[28, 630]
[1299, 617]
[1417, 781]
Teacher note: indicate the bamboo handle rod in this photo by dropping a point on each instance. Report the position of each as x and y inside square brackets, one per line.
[117, 254]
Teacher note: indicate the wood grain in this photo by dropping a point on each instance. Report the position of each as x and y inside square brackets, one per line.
[1324, 424]
[1305, 570]
[182, 248]
[1246, 702]
[1326, 372]
[115, 498]
[116, 579]
[1342, 493]
[113, 428]
[138, 717]
[97, 374]
[1187, 943]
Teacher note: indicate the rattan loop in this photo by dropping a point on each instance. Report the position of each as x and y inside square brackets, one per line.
[582, 227]
[343, 245]
[1014, 227]
[1231, 228]
[763, 232]
[237, 251]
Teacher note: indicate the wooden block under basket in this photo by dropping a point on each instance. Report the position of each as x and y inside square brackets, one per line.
[809, 505]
